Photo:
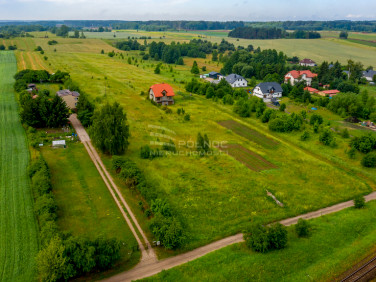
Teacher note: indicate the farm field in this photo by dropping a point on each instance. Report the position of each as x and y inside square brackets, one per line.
[337, 242]
[209, 200]
[319, 50]
[248, 158]
[86, 207]
[19, 240]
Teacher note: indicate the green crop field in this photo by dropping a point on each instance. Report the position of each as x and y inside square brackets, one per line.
[338, 241]
[86, 207]
[250, 134]
[18, 228]
[247, 157]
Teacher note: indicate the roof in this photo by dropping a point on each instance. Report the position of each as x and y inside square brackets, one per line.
[213, 73]
[334, 91]
[67, 92]
[231, 78]
[58, 142]
[369, 73]
[307, 61]
[158, 90]
[311, 89]
[267, 86]
[296, 74]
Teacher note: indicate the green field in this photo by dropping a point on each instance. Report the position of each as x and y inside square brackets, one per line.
[18, 229]
[209, 200]
[338, 241]
[86, 207]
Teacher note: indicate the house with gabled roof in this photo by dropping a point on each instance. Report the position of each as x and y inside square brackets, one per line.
[236, 80]
[307, 63]
[162, 94]
[268, 91]
[295, 76]
[369, 74]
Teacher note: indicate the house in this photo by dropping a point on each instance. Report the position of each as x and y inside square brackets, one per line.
[329, 93]
[59, 143]
[268, 91]
[369, 75]
[69, 97]
[214, 75]
[236, 80]
[311, 90]
[295, 76]
[307, 63]
[162, 94]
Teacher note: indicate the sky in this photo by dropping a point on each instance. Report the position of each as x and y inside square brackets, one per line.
[210, 10]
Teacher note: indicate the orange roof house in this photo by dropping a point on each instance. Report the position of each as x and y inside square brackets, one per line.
[329, 93]
[295, 76]
[311, 90]
[162, 94]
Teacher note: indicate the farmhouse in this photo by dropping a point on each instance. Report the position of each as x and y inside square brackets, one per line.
[236, 80]
[268, 91]
[70, 97]
[162, 94]
[369, 75]
[307, 63]
[214, 75]
[295, 76]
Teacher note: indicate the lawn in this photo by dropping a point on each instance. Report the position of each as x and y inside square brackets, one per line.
[18, 229]
[338, 241]
[86, 207]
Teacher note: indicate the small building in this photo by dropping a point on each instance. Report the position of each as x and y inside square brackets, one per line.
[329, 93]
[59, 143]
[214, 75]
[311, 90]
[307, 63]
[70, 97]
[236, 80]
[268, 91]
[369, 75]
[162, 94]
[295, 76]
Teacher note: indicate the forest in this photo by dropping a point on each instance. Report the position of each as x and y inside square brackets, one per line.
[271, 33]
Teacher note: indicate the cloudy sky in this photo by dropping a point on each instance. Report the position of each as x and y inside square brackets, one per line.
[221, 10]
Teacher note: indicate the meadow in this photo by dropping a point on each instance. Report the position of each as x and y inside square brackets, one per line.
[211, 202]
[19, 239]
[337, 242]
[86, 207]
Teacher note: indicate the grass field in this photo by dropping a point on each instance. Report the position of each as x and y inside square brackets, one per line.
[338, 241]
[18, 229]
[210, 201]
[85, 205]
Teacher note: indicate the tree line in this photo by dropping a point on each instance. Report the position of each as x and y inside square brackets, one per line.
[249, 32]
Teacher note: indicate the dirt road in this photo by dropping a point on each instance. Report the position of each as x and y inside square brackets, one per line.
[149, 264]
[147, 253]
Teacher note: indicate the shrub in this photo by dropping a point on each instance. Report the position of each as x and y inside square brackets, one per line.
[187, 117]
[359, 202]
[257, 239]
[369, 160]
[167, 230]
[345, 133]
[302, 228]
[277, 236]
[327, 137]
[305, 136]
[316, 118]
[351, 153]
[282, 107]
[161, 206]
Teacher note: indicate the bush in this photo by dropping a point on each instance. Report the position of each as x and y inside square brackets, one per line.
[161, 206]
[359, 202]
[316, 118]
[168, 230]
[305, 136]
[282, 107]
[277, 236]
[262, 239]
[302, 228]
[187, 117]
[369, 160]
[327, 137]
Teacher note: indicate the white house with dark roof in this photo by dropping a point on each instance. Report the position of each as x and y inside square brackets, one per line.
[236, 80]
[268, 91]
[307, 63]
[369, 75]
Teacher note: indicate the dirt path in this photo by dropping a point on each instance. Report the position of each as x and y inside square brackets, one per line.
[148, 255]
[146, 270]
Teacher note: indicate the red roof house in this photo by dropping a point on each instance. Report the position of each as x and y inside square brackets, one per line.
[295, 76]
[311, 90]
[329, 93]
[162, 94]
